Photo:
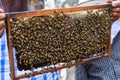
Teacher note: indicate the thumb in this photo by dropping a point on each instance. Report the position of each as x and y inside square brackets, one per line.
[108, 1]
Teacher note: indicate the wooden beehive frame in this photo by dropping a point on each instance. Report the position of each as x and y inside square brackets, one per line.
[45, 12]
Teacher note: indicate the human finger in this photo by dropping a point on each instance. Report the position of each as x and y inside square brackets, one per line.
[2, 16]
[116, 3]
[115, 14]
[116, 9]
[2, 24]
[108, 1]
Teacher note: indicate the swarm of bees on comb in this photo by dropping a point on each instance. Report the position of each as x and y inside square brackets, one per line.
[59, 38]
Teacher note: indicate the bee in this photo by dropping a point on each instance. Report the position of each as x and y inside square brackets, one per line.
[51, 39]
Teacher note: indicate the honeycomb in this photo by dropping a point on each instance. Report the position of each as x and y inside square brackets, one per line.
[59, 38]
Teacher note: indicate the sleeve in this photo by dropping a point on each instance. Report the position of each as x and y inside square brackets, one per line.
[100, 70]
